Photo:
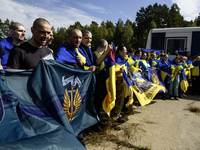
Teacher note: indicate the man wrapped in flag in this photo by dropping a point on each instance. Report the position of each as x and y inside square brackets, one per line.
[123, 89]
[176, 70]
[70, 54]
[85, 50]
[183, 79]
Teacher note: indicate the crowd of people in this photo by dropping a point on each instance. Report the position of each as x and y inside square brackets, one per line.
[77, 52]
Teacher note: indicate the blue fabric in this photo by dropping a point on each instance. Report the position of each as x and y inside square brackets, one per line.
[33, 105]
[7, 45]
[150, 50]
[59, 77]
[84, 53]
[155, 77]
[135, 58]
[164, 66]
[66, 54]
[183, 53]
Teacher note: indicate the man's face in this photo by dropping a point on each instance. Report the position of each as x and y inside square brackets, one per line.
[165, 57]
[188, 54]
[75, 39]
[87, 39]
[50, 38]
[144, 56]
[19, 33]
[41, 34]
[123, 52]
[139, 55]
[177, 60]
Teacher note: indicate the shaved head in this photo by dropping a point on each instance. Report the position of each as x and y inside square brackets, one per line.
[40, 21]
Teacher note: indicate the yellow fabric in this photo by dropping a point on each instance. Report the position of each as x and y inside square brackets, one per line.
[184, 85]
[174, 72]
[195, 71]
[82, 57]
[145, 63]
[146, 97]
[189, 73]
[137, 63]
[134, 69]
[130, 60]
[117, 68]
[163, 75]
[109, 101]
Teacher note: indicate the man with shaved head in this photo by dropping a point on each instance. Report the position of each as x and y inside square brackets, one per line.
[16, 35]
[69, 53]
[28, 54]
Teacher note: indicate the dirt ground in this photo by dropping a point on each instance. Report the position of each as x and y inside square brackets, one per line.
[161, 125]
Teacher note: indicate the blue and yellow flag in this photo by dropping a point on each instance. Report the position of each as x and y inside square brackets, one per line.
[183, 82]
[122, 62]
[144, 90]
[109, 101]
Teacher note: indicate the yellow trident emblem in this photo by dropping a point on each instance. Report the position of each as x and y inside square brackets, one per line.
[71, 106]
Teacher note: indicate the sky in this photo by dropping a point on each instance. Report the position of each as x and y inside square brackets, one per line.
[63, 13]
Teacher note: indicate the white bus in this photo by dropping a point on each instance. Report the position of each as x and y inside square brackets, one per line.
[172, 39]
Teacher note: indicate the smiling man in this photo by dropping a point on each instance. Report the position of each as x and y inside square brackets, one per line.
[17, 34]
[86, 51]
[28, 54]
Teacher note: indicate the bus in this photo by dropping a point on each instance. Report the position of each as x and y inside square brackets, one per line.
[171, 39]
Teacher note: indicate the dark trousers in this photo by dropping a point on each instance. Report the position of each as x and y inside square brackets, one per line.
[195, 85]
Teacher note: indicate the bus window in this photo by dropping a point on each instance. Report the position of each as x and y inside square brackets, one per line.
[174, 44]
[158, 41]
[195, 41]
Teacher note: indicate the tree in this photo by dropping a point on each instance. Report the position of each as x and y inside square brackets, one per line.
[197, 20]
[119, 32]
[94, 29]
[127, 35]
[4, 28]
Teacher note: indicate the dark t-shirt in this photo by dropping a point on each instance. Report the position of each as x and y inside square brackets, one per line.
[26, 56]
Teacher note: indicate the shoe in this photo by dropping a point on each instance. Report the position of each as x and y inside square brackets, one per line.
[122, 119]
[170, 97]
[176, 98]
[180, 96]
[163, 98]
[184, 95]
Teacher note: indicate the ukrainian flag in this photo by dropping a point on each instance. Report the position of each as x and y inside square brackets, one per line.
[109, 101]
[145, 90]
[121, 62]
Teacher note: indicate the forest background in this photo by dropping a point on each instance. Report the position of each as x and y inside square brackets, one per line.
[132, 34]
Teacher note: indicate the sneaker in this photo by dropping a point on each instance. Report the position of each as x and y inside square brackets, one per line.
[180, 96]
[184, 95]
[176, 98]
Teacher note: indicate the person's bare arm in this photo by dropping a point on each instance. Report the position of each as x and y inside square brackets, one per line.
[101, 59]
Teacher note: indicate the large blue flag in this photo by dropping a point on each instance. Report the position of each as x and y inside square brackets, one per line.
[46, 108]
[67, 92]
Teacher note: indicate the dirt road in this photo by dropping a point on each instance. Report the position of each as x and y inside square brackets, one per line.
[161, 125]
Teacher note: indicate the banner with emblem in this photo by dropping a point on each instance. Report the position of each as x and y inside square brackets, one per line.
[145, 90]
[67, 92]
[52, 104]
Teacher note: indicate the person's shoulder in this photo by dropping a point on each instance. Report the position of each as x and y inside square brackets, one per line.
[7, 42]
